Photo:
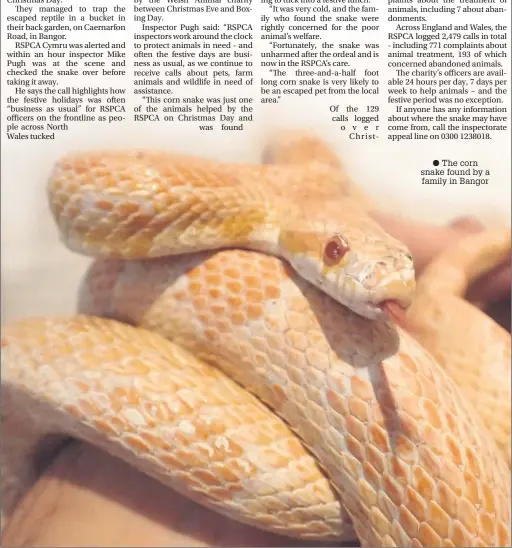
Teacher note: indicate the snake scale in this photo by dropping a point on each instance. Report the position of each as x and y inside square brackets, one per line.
[240, 266]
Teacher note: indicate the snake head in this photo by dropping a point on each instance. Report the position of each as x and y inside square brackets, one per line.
[363, 268]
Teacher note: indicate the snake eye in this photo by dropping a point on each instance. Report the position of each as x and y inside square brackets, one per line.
[334, 250]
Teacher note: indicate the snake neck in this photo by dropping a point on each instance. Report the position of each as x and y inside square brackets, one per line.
[265, 236]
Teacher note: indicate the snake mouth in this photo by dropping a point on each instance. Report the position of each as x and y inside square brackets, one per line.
[394, 310]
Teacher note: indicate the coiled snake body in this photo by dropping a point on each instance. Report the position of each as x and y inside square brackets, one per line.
[396, 453]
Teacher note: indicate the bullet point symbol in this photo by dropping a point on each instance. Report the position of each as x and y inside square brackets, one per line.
[436, 162]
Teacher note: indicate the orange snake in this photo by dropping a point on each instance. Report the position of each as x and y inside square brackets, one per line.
[394, 451]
